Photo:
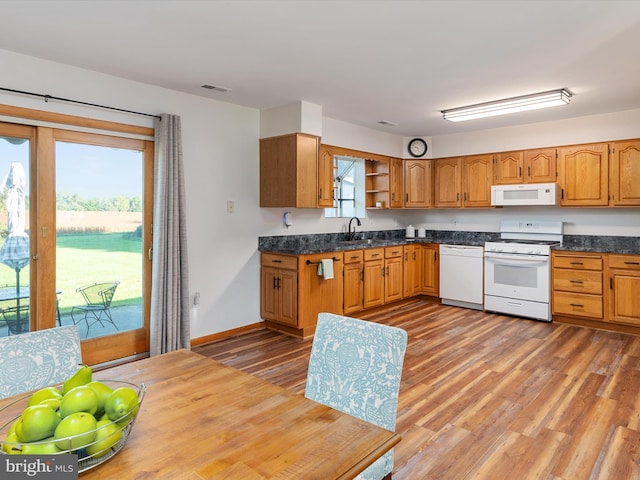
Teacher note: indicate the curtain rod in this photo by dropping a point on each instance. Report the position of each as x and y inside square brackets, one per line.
[51, 97]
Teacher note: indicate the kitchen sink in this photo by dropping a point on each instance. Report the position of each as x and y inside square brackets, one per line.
[364, 241]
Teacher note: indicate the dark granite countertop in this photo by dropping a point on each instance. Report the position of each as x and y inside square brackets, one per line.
[600, 244]
[335, 242]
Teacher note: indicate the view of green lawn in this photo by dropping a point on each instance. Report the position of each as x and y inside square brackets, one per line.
[86, 258]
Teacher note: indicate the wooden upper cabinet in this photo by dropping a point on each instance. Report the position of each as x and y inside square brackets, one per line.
[417, 184]
[289, 171]
[447, 185]
[325, 177]
[583, 175]
[540, 165]
[625, 174]
[528, 166]
[476, 180]
[396, 183]
[508, 168]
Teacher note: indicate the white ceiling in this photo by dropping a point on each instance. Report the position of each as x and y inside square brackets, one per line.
[362, 61]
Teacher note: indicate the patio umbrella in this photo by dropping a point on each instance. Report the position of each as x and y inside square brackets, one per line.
[15, 249]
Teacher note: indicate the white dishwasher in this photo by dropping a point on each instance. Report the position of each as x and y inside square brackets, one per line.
[461, 276]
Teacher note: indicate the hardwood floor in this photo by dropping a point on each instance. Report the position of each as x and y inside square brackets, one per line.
[489, 396]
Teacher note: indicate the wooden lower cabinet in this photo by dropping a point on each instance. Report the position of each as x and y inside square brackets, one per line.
[577, 285]
[412, 256]
[353, 281]
[279, 289]
[292, 292]
[393, 276]
[623, 273]
[430, 269]
[315, 293]
[373, 275]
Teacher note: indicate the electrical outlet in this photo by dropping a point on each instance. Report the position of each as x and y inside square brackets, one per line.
[196, 299]
[230, 206]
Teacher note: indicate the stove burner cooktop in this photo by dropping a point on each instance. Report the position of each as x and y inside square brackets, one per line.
[527, 242]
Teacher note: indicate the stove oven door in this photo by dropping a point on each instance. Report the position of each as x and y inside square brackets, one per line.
[514, 276]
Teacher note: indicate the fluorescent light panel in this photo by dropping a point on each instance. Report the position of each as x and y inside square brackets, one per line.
[509, 105]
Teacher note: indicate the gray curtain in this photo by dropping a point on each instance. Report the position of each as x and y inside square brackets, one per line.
[170, 285]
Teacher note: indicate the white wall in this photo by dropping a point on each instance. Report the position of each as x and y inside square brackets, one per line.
[220, 144]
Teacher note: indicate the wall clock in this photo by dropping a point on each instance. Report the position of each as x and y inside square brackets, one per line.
[417, 147]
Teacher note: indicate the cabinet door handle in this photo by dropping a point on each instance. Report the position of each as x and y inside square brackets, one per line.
[465, 196]
[457, 196]
[562, 193]
[576, 263]
[406, 197]
[375, 254]
[320, 194]
[519, 171]
[414, 255]
[383, 271]
[406, 256]
[529, 172]
[576, 281]
[387, 271]
[632, 263]
[275, 282]
[276, 261]
[610, 283]
[577, 305]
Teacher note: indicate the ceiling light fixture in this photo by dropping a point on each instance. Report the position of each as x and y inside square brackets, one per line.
[509, 105]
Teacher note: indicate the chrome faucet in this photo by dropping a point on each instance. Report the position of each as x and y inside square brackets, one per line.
[352, 233]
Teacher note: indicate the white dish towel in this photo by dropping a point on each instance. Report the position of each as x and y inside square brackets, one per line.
[325, 268]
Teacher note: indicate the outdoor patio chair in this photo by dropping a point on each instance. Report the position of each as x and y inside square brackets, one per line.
[355, 367]
[38, 359]
[98, 298]
[16, 318]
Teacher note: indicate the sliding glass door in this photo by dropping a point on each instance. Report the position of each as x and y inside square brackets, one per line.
[16, 152]
[90, 206]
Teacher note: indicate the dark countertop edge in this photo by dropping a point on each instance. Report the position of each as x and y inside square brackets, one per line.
[323, 242]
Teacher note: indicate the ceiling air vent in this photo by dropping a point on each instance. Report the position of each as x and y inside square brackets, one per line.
[215, 88]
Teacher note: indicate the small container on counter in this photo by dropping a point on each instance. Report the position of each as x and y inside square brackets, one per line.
[422, 232]
[410, 232]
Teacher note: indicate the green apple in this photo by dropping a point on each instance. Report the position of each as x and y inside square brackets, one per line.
[81, 377]
[11, 443]
[121, 405]
[43, 394]
[79, 399]
[107, 435]
[102, 391]
[36, 423]
[75, 431]
[52, 403]
[45, 447]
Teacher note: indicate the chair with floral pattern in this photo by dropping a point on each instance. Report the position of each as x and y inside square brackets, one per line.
[37, 359]
[355, 367]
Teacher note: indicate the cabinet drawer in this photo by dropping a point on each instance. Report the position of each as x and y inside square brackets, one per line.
[581, 263]
[624, 261]
[393, 252]
[578, 281]
[280, 261]
[581, 305]
[353, 256]
[373, 254]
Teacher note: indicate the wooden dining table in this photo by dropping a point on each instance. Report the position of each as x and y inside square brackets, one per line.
[200, 419]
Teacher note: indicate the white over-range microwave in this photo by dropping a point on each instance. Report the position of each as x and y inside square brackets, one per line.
[524, 194]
